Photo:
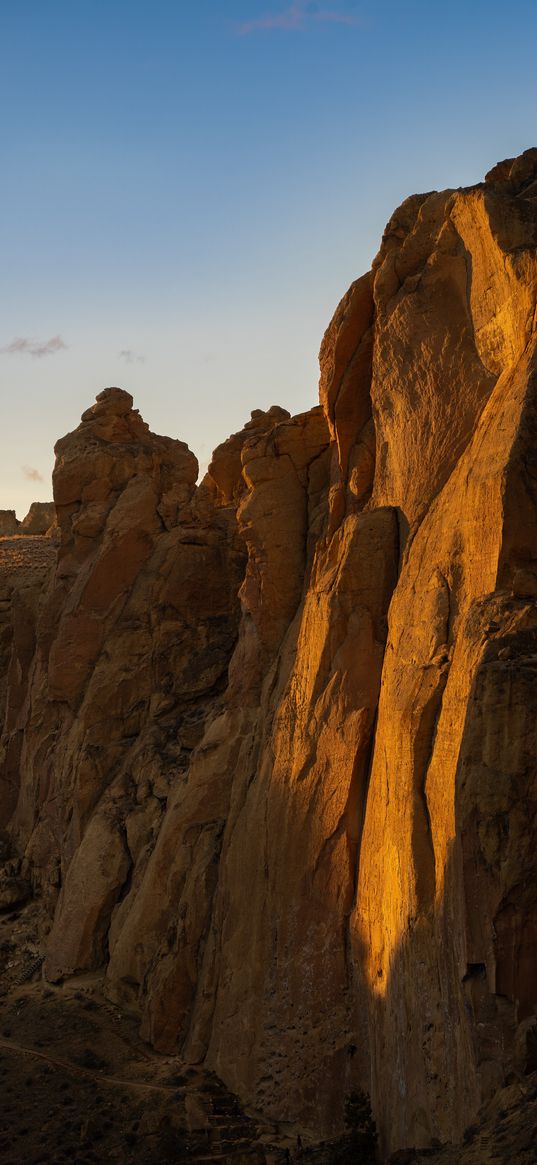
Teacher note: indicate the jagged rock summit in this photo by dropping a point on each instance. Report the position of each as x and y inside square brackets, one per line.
[40, 519]
[269, 750]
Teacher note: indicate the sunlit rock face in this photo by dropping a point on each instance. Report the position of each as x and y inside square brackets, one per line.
[444, 923]
[271, 755]
[40, 519]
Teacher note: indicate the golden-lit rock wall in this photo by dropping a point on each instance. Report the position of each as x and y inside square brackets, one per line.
[275, 762]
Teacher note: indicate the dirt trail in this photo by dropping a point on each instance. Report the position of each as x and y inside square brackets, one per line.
[78, 1085]
[92, 1074]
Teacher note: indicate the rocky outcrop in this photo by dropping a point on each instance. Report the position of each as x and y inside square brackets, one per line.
[26, 565]
[41, 517]
[272, 763]
[452, 787]
[8, 523]
[130, 654]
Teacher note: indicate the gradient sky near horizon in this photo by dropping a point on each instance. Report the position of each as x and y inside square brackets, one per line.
[188, 188]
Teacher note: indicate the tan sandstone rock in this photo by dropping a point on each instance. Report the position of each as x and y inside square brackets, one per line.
[8, 523]
[41, 517]
[299, 836]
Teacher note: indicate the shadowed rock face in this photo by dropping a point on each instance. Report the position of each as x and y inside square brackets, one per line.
[271, 755]
[40, 519]
[8, 523]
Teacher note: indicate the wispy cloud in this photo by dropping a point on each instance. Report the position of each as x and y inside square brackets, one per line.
[22, 346]
[297, 16]
[32, 474]
[131, 357]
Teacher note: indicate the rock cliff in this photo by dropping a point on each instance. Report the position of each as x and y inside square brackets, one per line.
[40, 518]
[269, 753]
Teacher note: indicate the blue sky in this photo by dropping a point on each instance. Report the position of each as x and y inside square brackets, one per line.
[188, 189]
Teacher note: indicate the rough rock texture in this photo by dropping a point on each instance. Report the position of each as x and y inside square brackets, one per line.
[25, 568]
[445, 916]
[131, 653]
[504, 1132]
[41, 517]
[300, 835]
[8, 523]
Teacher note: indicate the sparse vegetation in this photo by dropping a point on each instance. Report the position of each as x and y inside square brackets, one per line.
[362, 1130]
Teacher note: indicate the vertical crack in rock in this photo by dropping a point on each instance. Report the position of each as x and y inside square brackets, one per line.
[268, 748]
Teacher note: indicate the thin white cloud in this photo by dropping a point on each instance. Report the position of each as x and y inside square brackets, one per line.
[131, 357]
[23, 346]
[297, 16]
[32, 474]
